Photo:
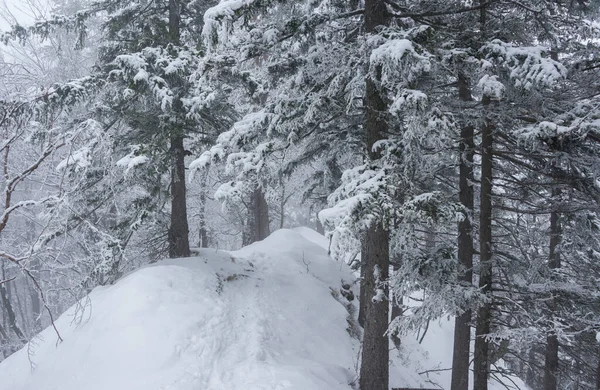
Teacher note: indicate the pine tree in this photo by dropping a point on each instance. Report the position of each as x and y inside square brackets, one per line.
[374, 370]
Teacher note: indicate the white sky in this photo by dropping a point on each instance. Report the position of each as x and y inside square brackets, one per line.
[23, 11]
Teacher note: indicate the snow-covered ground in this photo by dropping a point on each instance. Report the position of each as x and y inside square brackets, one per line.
[269, 316]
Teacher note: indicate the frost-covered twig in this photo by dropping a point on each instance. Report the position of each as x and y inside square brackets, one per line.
[305, 263]
[7, 280]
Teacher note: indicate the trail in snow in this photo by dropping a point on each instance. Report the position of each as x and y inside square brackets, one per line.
[260, 318]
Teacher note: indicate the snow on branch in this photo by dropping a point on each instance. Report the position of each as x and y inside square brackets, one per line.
[528, 67]
[43, 28]
[225, 10]
[152, 68]
[400, 61]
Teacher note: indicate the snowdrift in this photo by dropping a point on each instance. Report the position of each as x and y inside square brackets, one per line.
[273, 315]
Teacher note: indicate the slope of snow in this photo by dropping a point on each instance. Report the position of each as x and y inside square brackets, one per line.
[260, 318]
[313, 236]
[269, 316]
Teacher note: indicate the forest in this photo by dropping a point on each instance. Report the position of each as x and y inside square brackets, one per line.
[449, 151]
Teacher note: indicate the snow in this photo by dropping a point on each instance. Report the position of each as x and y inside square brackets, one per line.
[270, 36]
[226, 9]
[313, 236]
[260, 318]
[79, 159]
[200, 163]
[141, 75]
[392, 50]
[528, 66]
[269, 316]
[131, 161]
[399, 61]
[491, 87]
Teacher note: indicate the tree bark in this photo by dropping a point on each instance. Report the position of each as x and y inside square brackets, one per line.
[262, 214]
[396, 312]
[319, 225]
[174, 21]
[36, 303]
[481, 364]
[551, 355]
[598, 374]
[257, 226]
[179, 245]
[374, 370]
[362, 303]
[202, 230]
[462, 323]
[10, 313]
[481, 361]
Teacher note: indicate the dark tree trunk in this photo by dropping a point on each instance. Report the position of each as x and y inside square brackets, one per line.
[10, 313]
[202, 230]
[481, 360]
[462, 324]
[551, 356]
[362, 303]
[36, 306]
[396, 312]
[174, 21]
[598, 374]
[320, 227]
[551, 362]
[481, 364]
[530, 375]
[257, 226]
[374, 370]
[461, 352]
[35, 268]
[179, 245]
[262, 214]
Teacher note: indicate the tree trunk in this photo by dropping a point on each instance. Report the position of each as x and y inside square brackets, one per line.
[362, 303]
[202, 230]
[35, 267]
[462, 323]
[174, 21]
[179, 245]
[10, 313]
[481, 364]
[320, 227]
[396, 312]
[262, 214]
[282, 201]
[551, 356]
[374, 369]
[551, 362]
[598, 374]
[257, 226]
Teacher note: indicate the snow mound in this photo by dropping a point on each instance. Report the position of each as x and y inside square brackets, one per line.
[260, 318]
[273, 315]
[313, 236]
